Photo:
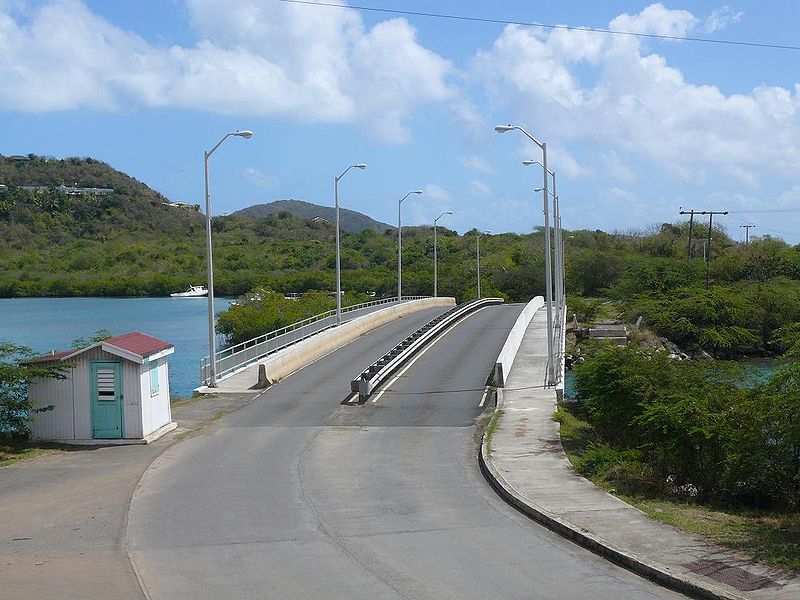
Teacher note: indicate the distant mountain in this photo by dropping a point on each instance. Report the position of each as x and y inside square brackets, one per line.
[351, 220]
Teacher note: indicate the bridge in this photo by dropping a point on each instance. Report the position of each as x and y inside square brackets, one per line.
[311, 489]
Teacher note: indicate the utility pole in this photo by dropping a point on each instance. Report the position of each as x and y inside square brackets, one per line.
[711, 214]
[747, 233]
[691, 225]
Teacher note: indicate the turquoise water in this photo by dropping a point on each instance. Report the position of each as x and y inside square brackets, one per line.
[46, 324]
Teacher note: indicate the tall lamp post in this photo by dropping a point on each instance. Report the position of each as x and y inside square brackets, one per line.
[435, 255]
[558, 254]
[548, 274]
[338, 252]
[400, 245]
[212, 334]
[478, 252]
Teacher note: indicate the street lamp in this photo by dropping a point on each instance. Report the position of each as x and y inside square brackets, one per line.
[400, 245]
[559, 256]
[435, 257]
[478, 247]
[548, 275]
[338, 253]
[212, 334]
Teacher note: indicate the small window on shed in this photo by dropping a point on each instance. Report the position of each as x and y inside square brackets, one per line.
[154, 378]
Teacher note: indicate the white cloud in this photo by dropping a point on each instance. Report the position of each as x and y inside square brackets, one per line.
[476, 163]
[479, 188]
[251, 57]
[721, 17]
[567, 164]
[260, 179]
[436, 193]
[612, 93]
[617, 193]
[615, 166]
[658, 20]
[789, 198]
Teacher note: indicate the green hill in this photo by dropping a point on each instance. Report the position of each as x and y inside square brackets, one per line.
[65, 239]
[351, 221]
[90, 230]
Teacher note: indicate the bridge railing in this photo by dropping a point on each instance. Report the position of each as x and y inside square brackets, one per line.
[245, 353]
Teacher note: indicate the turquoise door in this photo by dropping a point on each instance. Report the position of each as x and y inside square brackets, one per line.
[106, 390]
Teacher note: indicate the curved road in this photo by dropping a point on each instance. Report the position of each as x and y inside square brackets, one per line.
[298, 496]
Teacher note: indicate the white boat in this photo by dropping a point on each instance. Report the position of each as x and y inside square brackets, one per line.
[194, 291]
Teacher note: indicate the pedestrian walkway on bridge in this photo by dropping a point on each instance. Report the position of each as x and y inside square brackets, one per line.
[525, 462]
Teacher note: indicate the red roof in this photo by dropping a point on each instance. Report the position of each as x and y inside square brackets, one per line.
[53, 356]
[136, 342]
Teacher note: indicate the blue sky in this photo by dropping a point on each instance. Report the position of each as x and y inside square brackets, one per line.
[636, 128]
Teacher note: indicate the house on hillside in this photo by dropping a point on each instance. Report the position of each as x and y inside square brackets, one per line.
[115, 391]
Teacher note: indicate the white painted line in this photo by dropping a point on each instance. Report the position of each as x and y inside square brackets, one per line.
[424, 350]
[483, 398]
[353, 398]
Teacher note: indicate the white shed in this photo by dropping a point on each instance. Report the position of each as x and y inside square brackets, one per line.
[117, 389]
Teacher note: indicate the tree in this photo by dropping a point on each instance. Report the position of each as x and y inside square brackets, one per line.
[16, 408]
[99, 336]
[594, 271]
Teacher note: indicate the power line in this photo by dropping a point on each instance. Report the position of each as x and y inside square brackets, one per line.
[452, 17]
[766, 210]
[768, 230]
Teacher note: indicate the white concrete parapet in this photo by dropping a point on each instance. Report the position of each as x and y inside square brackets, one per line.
[507, 355]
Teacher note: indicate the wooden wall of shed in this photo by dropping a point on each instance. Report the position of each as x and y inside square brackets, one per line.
[62, 423]
[156, 410]
[56, 424]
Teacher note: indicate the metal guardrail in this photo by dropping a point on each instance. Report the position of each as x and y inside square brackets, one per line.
[245, 353]
[378, 371]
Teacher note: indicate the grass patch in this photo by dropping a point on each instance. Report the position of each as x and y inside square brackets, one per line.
[576, 433]
[772, 538]
[492, 428]
[609, 310]
[768, 537]
[10, 455]
[178, 401]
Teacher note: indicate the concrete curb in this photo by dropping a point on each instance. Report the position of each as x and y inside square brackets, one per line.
[654, 572]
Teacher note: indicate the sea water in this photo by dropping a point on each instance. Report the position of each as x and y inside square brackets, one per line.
[46, 324]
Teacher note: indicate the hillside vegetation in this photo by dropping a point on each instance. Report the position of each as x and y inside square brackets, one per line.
[351, 221]
[131, 243]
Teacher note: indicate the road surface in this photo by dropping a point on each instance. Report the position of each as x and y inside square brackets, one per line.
[299, 496]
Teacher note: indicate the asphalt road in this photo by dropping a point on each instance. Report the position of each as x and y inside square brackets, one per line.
[298, 496]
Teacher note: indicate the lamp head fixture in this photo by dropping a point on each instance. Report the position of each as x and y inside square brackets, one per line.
[360, 166]
[503, 128]
[246, 134]
[417, 192]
